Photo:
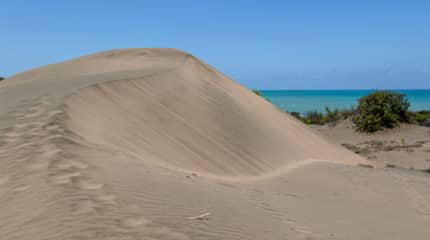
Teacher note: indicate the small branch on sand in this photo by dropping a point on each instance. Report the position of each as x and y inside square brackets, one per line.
[204, 216]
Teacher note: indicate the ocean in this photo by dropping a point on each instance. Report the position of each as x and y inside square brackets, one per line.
[303, 101]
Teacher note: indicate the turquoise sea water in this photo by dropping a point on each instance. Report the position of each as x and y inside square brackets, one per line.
[308, 100]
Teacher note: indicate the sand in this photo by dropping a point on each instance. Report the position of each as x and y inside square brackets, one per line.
[407, 146]
[155, 144]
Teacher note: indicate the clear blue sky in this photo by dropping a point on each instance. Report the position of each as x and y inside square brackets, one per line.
[326, 44]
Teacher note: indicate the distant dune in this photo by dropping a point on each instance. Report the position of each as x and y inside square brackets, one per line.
[155, 144]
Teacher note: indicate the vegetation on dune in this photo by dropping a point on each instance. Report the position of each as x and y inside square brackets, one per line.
[347, 113]
[1, 78]
[257, 92]
[380, 110]
[376, 111]
[420, 117]
[314, 117]
[331, 117]
[296, 115]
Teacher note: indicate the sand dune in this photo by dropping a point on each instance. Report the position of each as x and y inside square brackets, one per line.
[138, 143]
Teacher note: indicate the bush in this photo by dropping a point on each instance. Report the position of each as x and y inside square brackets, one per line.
[1, 78]
[426, 123]
[347, 113]
[381, 109]
[314, 117]
[296, 115]
[421, 117]
[332, 117]
[257, 92]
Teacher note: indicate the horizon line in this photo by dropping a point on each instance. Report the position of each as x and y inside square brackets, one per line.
[345, 89]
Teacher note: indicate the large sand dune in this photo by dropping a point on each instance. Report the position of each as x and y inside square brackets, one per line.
[133, 144]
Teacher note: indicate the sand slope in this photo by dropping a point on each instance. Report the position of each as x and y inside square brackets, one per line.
[134, 143]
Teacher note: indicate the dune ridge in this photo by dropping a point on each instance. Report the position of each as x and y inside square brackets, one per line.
[192, 117]
[135, 143]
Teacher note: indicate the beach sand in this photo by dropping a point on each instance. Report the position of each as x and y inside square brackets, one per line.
[155, 144]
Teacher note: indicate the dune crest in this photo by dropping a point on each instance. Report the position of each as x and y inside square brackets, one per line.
[192, 117]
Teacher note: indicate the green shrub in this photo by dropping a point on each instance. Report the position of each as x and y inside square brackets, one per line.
[347, 113]
[296, 115]
[257, 92]
[314, 117]
[381, 109]
[420, 117]
[332, 117]
[1, 78]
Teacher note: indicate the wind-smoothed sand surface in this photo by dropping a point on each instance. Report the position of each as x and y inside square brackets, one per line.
[155, 144]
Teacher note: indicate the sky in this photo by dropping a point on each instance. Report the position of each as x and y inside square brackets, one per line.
[320, 44]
